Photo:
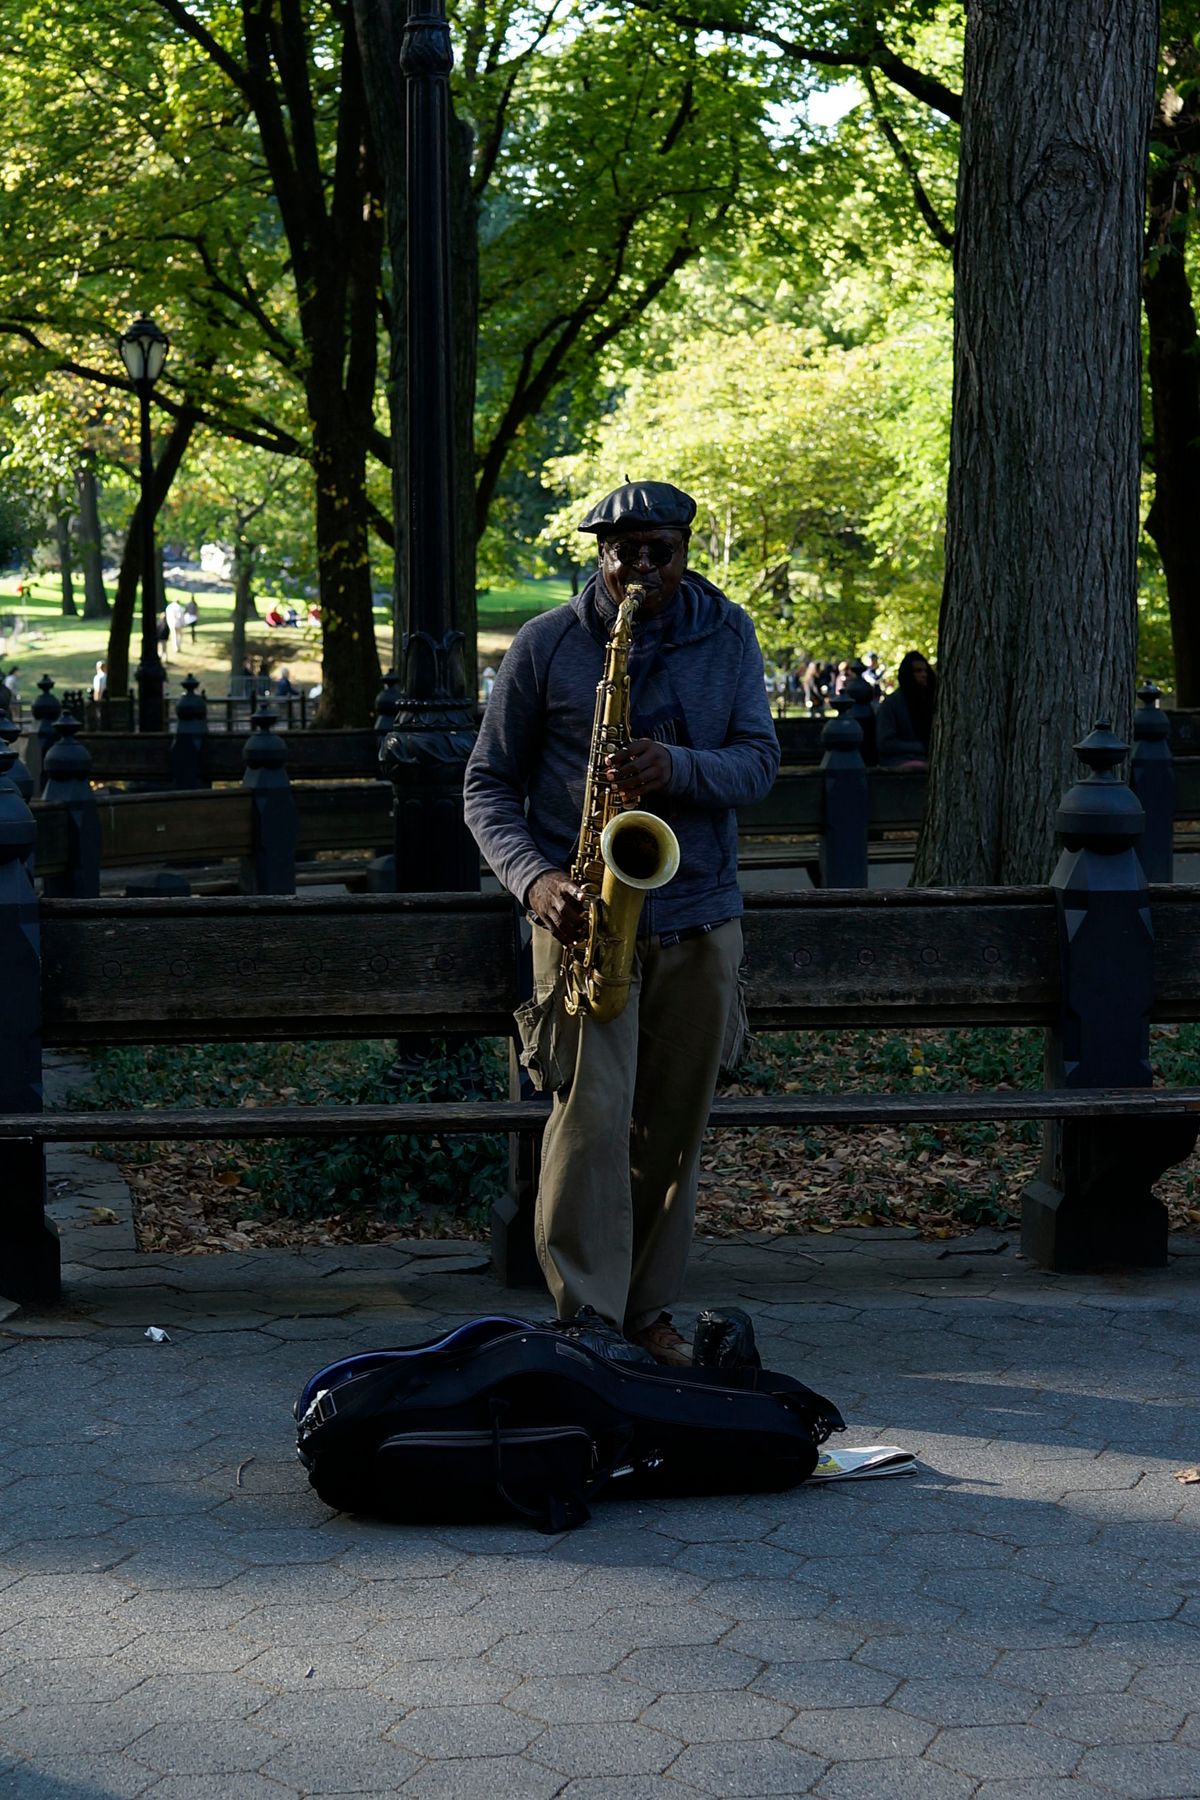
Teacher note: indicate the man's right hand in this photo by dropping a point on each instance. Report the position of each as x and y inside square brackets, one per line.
[559, 903]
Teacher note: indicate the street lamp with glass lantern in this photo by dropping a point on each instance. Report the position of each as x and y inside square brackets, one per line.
[144, 351]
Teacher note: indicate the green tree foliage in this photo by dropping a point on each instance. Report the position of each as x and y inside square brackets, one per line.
[815, 509]
[219, 177]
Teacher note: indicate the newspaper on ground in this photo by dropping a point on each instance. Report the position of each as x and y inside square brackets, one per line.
[855, 1465]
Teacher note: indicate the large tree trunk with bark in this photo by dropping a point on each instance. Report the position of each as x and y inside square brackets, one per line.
[350, 662]
[121, 621]
[62, 535]
[1039, 608]
[244, 608]
[1174, 368]
[95, 600]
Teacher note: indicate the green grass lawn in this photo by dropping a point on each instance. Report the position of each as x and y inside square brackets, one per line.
[504, 609]
[69, 649]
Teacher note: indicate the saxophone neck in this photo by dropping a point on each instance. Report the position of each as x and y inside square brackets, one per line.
[622, 631]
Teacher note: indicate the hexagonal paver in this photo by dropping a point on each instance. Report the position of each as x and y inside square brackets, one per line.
[373, 1765]
[894, 1779]
[1143, 1771]
[844, 1734]
[483, 1778]
[580, 1699]
[546, 1653]
[761, 1767]
[204, 1747]
[820, 1684]
[53, 1777]
[1083, 1671]
[712, 1718]
[688, 1668]
[978, 1701]
[484, 1730]
[640, 1625]
[617, 1749]
[459, 1681]
[1110, 1718]
[1005, 1750]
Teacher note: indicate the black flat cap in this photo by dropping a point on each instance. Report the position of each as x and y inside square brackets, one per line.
[645, 504]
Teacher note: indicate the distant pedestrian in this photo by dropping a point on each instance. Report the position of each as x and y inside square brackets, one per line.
[905, 723]
[99, 682]
[191, 615]
[176, 619]
[283, 686]
[263, 681]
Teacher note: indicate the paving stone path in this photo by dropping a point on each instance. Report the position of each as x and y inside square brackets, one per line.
[181, 1617]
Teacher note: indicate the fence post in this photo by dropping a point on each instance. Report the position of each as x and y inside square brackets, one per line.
[29, 1250]
[271, 866]
[47, 710]
[865, 701]
[843, 852]
[67, 769]
[1152, 778]
[22, 780]
[189, 743]
[1093, 1201]
[387, 705]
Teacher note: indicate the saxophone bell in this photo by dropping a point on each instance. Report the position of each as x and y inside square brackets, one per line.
[623, 853]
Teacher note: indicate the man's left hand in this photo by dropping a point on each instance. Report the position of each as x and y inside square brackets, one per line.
[640, 769]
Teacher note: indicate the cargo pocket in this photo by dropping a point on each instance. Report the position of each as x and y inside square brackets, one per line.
[549, 1037]
[737, 1032]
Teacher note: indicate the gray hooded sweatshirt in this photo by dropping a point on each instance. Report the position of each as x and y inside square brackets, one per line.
[696, 685]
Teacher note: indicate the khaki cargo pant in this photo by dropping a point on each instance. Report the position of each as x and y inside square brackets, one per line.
[616, 1202]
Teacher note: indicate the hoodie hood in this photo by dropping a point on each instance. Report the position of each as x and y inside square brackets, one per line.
[697, 611]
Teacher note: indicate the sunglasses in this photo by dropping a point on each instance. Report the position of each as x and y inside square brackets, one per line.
[628, 552]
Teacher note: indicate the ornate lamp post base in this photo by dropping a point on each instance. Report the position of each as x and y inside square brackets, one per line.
[424, 756]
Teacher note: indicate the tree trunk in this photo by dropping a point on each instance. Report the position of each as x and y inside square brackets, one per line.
[1039, 608]
[350, 662]
[121, 621]
[95, 600]
[62, 533]
[243, 606]
[1174, 368]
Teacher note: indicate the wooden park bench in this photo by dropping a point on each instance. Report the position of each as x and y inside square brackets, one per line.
[833, 821]
[1094, 957]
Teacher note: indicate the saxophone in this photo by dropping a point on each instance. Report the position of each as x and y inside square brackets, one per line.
[623, 852]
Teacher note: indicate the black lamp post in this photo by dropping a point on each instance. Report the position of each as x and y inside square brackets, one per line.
[144, 351]
[425, 754]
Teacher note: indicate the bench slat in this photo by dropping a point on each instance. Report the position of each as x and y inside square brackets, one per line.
[212, 970]
[209, 1122]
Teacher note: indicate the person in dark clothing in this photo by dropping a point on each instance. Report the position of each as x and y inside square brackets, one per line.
[630, 1095]
[904, 723]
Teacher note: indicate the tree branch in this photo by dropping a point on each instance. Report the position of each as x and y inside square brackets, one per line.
[201, 35]
[926, 88]
[924, 204]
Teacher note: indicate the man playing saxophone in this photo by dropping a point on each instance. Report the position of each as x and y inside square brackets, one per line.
[631, 1093]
